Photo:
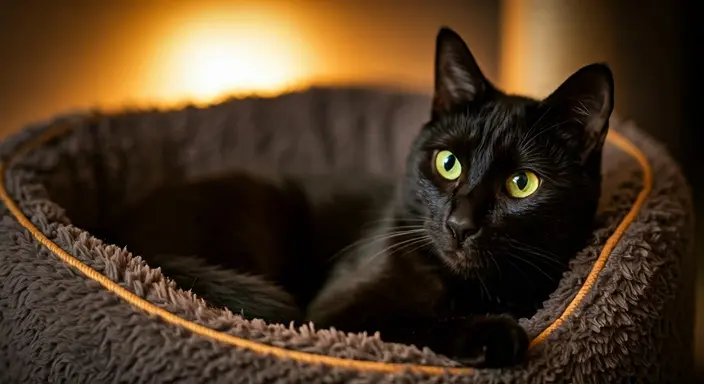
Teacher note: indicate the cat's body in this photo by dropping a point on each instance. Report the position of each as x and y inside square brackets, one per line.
[498, 194]
[279, 231]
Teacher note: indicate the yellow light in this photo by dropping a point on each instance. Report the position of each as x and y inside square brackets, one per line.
[215, 54]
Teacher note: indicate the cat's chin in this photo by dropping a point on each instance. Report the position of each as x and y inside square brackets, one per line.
[461, 261]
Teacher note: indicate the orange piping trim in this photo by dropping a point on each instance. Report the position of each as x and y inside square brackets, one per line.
[305, 357]
[628, 147]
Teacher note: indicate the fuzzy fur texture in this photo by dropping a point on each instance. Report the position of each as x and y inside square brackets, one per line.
[56, 325]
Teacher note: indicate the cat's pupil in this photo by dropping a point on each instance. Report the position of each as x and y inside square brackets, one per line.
[449, 162]
[521, 180]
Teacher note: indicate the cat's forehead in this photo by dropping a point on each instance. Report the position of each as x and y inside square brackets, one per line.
[494, 127]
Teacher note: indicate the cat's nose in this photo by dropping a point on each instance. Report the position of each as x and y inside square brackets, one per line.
[461, 226]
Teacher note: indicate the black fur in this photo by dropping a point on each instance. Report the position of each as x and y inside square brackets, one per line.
[425, 288]
[406, 272]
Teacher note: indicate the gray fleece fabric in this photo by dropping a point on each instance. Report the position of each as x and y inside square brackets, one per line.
[58, 325]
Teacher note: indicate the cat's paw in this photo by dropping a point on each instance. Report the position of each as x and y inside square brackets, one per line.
[492, 342]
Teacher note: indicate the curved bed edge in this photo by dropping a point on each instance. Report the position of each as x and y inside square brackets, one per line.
[613, 137]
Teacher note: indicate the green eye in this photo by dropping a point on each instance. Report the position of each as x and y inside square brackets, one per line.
[448, 165]
[522, 184]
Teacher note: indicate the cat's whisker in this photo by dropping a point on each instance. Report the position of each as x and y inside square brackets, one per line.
[523, 141]
[483, 286]
[520, 270]
[395, 246]
[386, 235]
[406, 218]
[408, 243]
[405, 227]
[381, 231]
[392, 224]
[546, 260]
[550, 262]
[533, 265]
[498, 268]
[526, 245]
[541, 131]
[366, 241]
[393, 220]
[535, 251]
[424, 244]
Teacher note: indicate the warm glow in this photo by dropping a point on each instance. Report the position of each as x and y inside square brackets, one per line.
[214, 54]
[170, 53]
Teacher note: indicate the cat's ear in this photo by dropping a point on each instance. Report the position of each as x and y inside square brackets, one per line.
[458, 79]
[587, 97]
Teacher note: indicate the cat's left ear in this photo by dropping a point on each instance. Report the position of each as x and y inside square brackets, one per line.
[587, 97]
[458, 79]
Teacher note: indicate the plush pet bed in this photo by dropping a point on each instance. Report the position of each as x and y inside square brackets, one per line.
[74, 309]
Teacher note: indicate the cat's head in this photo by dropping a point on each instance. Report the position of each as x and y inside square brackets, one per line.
[505, 180]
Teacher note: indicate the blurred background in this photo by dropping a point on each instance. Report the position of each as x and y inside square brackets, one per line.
[60, 56]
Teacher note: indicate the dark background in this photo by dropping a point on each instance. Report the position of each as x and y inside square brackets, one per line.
[57, 56]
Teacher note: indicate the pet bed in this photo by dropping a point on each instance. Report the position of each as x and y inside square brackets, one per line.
[75, 309]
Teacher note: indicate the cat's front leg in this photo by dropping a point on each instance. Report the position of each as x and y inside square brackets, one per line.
[404, 305]
[480, 341]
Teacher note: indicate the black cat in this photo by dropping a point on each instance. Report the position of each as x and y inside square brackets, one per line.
[499, 193]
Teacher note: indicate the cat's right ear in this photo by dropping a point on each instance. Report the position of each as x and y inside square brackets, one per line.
[587, 97]
[458, 79]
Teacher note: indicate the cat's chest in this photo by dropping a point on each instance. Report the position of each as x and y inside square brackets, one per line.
[475, 297]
